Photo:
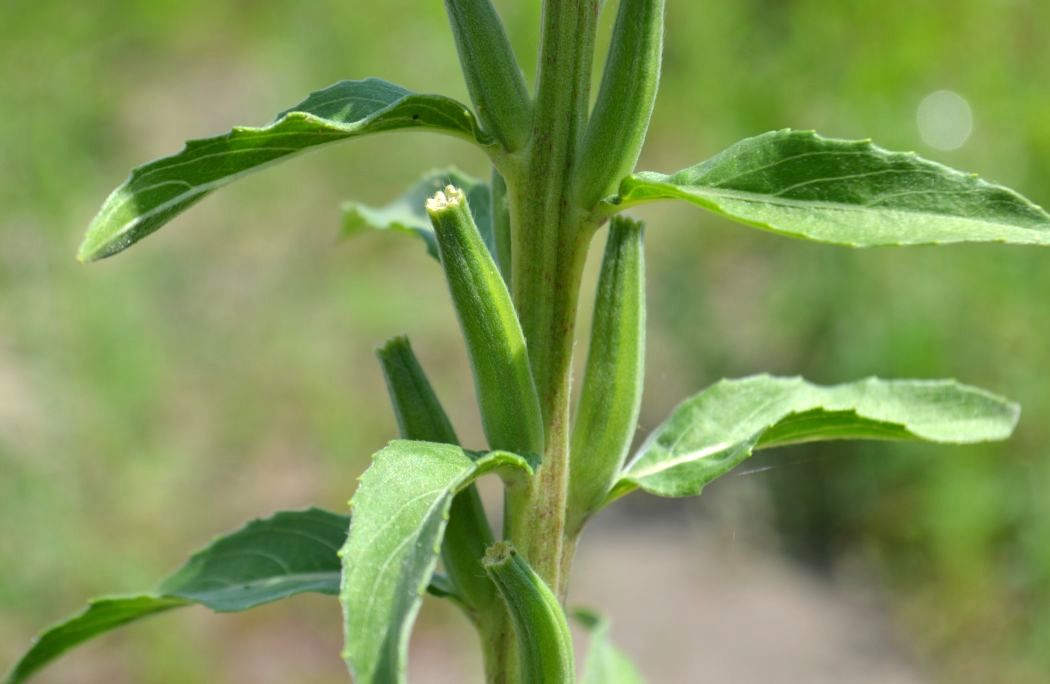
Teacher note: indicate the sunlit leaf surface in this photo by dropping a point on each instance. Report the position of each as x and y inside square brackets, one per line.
[267, 560]
[853, 193]
[709, 434]
[400, 512]
[160, 190]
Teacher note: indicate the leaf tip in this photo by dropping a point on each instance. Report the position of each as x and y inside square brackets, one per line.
[1014, 410]
[88, 252]
[100, 243]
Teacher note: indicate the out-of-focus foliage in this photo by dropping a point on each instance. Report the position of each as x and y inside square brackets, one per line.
[963, 537]
[253, 388]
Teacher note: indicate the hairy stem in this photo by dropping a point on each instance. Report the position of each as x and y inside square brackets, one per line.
[550, 238]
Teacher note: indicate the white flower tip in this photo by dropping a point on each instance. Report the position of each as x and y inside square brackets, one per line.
[448, 198]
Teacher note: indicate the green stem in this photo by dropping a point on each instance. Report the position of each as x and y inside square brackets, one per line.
[544, 219]
[550, 235]
[500, 211]
[537, 514]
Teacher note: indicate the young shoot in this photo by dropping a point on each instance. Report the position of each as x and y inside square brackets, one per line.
[512, 251]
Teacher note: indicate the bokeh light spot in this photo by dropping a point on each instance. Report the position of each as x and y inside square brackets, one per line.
[945, 120]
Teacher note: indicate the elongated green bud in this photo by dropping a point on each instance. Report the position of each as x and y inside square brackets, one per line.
[621, 114]
[494, 78]
[612, 385]
[417, 409]
[544, 642]
[420, 416]
[510, 408]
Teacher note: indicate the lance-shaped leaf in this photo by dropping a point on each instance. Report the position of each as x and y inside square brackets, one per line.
[158, 191]
[709, 434]
[267, 560]
[605, 663]
[853, 193]
[400, 511]
[407, 213]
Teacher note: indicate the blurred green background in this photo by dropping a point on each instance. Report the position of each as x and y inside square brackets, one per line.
[223, 369]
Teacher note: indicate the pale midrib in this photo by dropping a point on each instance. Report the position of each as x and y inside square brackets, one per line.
[263, 582]
[679, 460]
[703, 192]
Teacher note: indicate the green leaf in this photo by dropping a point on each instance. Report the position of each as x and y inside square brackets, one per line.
[160, 190]
[101, 615]
[709, 434]
[407, 213]
[267, 560]
[853, 193]
[400, 511]
[605, 663]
